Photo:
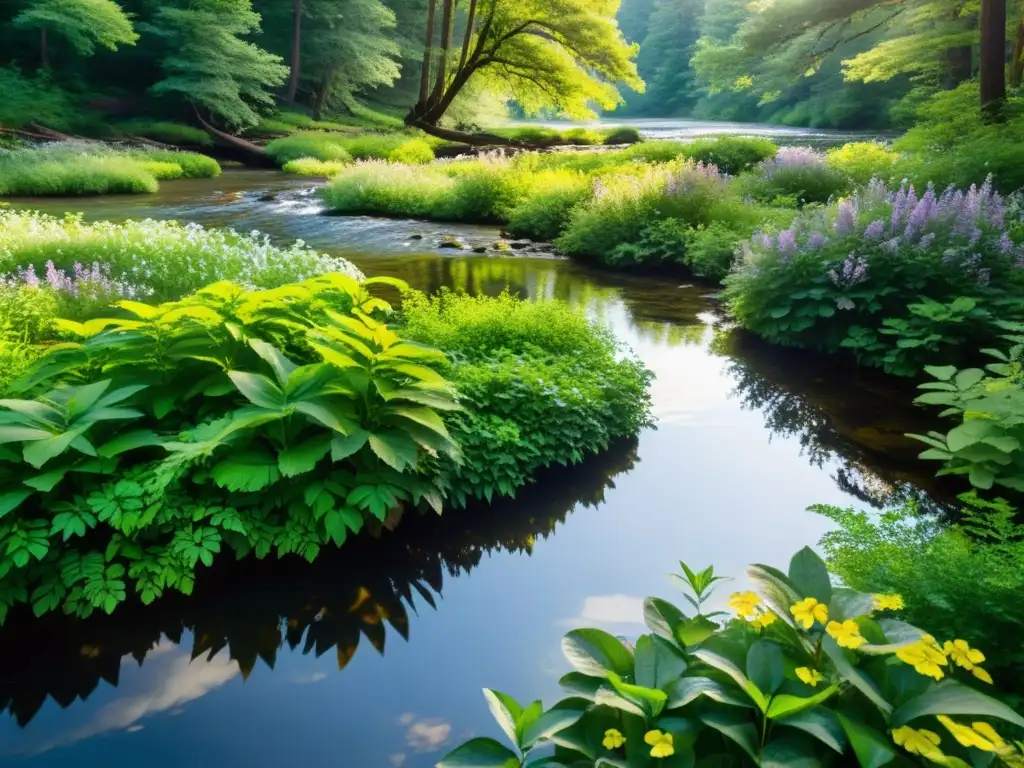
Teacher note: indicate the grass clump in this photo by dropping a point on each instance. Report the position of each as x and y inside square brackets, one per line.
[412, 152]
[310, 166]
[797, 175]
[319, 146]
[541, 385]
[379, 188]
[863, 161]
[158, 259]
[622, 135]
[167, 131]
[732, 154]
[192, 164]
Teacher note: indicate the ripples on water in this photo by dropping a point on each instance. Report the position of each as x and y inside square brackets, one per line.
[375, 655]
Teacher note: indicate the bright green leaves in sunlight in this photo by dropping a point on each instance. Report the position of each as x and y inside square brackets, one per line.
[756, 693]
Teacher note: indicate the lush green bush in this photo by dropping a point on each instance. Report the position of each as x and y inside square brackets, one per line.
[388, 189]
[646, 152]
[164, 260]
[711, 250]
[540, 386]
[310, 166]
[732, 154]
[412, 152]
[863, 161]
[987, 445]
[320, 146]
[809, 675]
[28, 99]
[546, 211]
[963, 580]
[898, 280]
[167, 131]
[622, 135]
[192, 164]
[798, 174]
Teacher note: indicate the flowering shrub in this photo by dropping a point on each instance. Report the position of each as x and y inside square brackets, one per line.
[732, 154]
[799, 174]
[153, 258]
[863, 161]
[808, 674]
[897, 278]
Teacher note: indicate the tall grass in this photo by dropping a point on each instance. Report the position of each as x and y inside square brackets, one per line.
[81, 168]
[339, 148]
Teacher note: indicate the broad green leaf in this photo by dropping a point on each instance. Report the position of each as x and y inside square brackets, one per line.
[651, 700]
[662, 617]
[334, 524]
[689, 689]
[304, 456]
[969, 433]
[658, 662]
[275, 358]
[378, 499]
[765, 667]
[722, 664]
[16, 434]
[776, 589]
[84, 398]
[340, 418]
[530, 714]
[580, 684]
[418, 372]
[595, 652]
[423, 416]
[480, 753]
[808, 574]
[37, 411]
[395, 449]
[872, 748]
[343, 447]
[129, 441]
[248, 470]
[47, 481]
[10, 500]
[942, 373]
[334, 357]
[786, 706]
[258, 390]
[41, 451]
[786, 751]
[898, 633]
[853, 675]
[505, 710]
[849, 604]
[560, 716]
[692, 632]
[821, 723]
[735, 727]
[953, 698]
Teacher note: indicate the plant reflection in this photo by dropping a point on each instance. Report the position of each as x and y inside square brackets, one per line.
[248, 611]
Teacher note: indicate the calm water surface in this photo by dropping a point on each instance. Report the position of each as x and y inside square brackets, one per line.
[376, 655]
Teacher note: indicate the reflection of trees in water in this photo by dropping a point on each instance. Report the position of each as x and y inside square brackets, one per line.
[838, 413]
[252, 609]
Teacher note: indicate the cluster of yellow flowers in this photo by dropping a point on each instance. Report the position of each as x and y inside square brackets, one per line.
[660, 743]
[927, 657]
[920, 741]
[809, 676]
[748, 606]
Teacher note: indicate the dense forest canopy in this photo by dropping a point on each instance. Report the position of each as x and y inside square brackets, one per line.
[449, 64]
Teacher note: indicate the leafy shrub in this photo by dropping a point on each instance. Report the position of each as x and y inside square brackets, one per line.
[28, 99]
[900, 281]
[206, 424]
[650, 152]
[167, 131]
[374, 146]
[711, 250]
[486, 190]
[732, 154]
[797, 173]
[810, 674]
[623, 135]
[540, 385]
[988, 444]
[863, 161]
[27, 313]
[164, 260]
[321, 146]
[16, 358]
[389, 189]
[310, 166]
[412, 152]
[963, 579]
[546, 211]
[192, 164]
[44, 173]
[583, 137]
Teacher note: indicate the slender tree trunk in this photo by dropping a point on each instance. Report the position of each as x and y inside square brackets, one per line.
[470, 20]
[428, 55]
[446, 46]
[44, 53]
[1017, 59]
[992, 69]
[293, 82]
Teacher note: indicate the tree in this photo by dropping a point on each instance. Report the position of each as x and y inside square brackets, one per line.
[85, 23]
[992, 59]
[566, 55]
[207, 63]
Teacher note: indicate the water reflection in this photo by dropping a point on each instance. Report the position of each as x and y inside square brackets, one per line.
[247, 612]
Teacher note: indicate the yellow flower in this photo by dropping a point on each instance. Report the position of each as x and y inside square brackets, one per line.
[808, 611]
[918, 741]
[972, 737]
[982, 675]
[744, 603]
[888, 602]
[988, 732]
[809, 676]
[763, 620]
[613, 739]
[925, 656]
[661, 743]
[847, 634]
[961, 653]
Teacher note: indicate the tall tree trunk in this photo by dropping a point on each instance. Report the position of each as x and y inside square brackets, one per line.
[447, 21]
[1017, 59]
[293, 82]
[44, 53]
[428, 55]
[320, 99]
[992, 69]
[470, 20]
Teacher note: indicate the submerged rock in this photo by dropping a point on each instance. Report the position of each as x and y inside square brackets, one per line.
[451, 242]
[415, 237]
[269, 197]
[480, 249]
[519, 245]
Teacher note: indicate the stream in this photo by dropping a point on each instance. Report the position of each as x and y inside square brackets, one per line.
[376, 654]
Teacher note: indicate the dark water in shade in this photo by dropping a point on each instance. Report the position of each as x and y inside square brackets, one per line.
[375, 656]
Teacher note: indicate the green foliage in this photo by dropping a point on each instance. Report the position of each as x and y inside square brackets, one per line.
[731, 154]
[167, 131]
[989, 404]
[28, 314]
[338, 148]
[412, 152]
[711, 249]
[30, 99]
[622, 135]
[84, 23]
[540, 386]
[546, 211]
[961, 579]
[863, 161]
[802, 183]
[164, 260]
[309, 166]
[318, 146]
[842, 688]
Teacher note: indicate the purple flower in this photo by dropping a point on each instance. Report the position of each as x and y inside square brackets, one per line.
[792, 157]
[29, 276]
[764, 240]
[874, 230]
[816, 240]
[926, 241]
[846, 218]
[787, 241]
[1005, 244]
[853, 270]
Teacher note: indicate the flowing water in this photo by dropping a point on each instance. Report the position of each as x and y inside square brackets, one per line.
[375, 655]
